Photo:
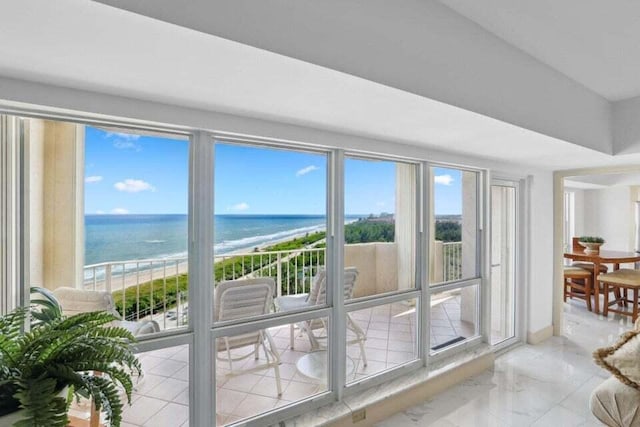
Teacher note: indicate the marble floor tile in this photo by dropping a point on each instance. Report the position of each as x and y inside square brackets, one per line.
[548, 384]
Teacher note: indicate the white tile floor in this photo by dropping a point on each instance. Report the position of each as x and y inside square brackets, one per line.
[544, 385]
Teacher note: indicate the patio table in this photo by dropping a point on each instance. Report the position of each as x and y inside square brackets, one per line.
[314, 365]
[602, 257]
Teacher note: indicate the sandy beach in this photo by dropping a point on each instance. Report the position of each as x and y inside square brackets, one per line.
[169, 268]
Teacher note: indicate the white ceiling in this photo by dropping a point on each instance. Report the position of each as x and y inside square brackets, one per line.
[596, 43]
[95, 47]
[601, 181]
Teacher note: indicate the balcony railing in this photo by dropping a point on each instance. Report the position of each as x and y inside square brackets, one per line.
[157, 288]
[451, 261]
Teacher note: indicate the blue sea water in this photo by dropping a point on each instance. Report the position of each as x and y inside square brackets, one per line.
[129, 237]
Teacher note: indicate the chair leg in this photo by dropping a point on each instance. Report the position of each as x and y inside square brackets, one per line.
[291, 335]
[634, 317]
[605, 309]
[360, 335]
[276, 357]
[565, 290]
[587, 292]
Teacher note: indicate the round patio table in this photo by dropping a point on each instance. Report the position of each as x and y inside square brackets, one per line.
[314, 365]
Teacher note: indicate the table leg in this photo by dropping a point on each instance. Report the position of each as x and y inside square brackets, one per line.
[596, 287]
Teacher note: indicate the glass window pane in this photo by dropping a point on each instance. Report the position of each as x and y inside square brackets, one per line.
[259, 371]
[454, 317]
[454, 243]
[270, 222]
[108, 220]
[380, 211]
[380, 338]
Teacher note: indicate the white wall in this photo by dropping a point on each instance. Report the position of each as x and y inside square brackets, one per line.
[16, 95]
[626, 126]
[608, 213]
[540, 295]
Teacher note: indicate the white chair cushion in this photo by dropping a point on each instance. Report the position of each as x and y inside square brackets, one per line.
[292, 302]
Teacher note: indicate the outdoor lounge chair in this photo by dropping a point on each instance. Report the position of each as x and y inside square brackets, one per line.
[244, 299]
[74, 301]
[318, 296]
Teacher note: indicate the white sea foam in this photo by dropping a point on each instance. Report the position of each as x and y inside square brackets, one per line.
[253, 241]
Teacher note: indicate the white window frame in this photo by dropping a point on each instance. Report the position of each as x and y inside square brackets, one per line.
[482, 269]
[201, 333]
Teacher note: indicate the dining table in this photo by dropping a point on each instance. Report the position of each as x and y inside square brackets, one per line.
[601, 257]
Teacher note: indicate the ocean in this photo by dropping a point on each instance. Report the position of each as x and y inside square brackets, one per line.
[129, 237]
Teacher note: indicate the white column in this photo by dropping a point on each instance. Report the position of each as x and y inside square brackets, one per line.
[62, 204]
[405, 224]
[9, 213]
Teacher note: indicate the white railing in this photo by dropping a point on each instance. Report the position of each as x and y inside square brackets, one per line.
[451, 261]
[157, 288]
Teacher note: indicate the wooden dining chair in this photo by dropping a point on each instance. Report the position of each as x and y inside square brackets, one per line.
[578, 284]
[621, 280]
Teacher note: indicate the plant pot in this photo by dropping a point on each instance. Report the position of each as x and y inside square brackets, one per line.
[12, 418]
[590, 248]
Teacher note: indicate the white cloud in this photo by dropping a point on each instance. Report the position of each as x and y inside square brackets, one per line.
[120, 135]
[133, 186]
[306, 170]
[380, 204]
[94, 178]
[99, 212]
[126, 145]
[443, 179]
[119, 211]
[239, 207]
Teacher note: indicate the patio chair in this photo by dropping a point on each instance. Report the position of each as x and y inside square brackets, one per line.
[318, 296]
[243, 299]
[74, 301]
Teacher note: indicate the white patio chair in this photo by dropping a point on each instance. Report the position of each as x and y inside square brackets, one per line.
[243, 299]
[318, 296]
[74, 301]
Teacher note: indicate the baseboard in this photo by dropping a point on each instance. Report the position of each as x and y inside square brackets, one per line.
[541, 335]
[419, 393]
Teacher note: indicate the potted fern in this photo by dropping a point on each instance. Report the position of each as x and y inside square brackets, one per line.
[60, 354]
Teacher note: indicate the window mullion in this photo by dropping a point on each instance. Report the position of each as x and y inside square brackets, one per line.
[423, 265]
[201, 367]
[335, 267]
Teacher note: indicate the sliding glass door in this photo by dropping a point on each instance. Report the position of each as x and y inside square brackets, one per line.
[504, 256]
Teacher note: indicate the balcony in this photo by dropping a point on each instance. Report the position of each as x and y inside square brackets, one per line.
[161, 397]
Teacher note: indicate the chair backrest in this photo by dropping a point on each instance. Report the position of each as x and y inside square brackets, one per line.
[74, 301]
[317, 282]
[237, 299]
[350, 276]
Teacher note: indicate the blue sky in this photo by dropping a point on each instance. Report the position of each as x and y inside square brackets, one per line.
[146, 175]
[134, 174]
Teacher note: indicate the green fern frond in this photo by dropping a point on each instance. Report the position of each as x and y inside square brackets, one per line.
[58, 352]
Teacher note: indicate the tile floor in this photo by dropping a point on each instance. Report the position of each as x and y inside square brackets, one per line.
[544, 385]
[161, 397]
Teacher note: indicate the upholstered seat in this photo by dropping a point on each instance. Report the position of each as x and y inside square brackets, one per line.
[74, 301]
[589, 267]
[624, 276]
